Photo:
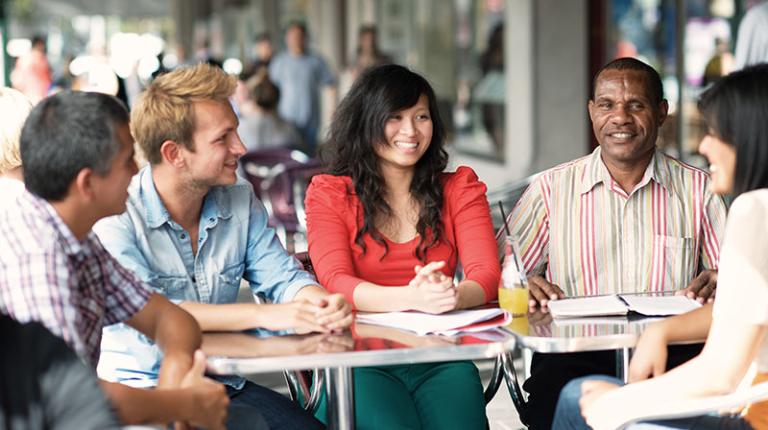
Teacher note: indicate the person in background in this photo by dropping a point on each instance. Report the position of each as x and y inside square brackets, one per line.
[264, 51]
[368, 54]
[77, 159]
[736, 324]
[300, 74]
[752, 37]
[260, 127]
[32, 73]
[387, 227]
[14, 108]
[193, 230]
[720, 64]
[625, 219]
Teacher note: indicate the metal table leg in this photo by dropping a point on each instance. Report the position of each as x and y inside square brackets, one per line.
[339, 390]
[622, 364]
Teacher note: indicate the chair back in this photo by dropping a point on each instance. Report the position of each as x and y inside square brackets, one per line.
[279, 177]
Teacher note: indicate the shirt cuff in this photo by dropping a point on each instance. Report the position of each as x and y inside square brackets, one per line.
[290, 293]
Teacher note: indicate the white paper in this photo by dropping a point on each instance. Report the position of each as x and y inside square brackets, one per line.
[579, 307]
[587, 306]
[660, 305]
[422, 323]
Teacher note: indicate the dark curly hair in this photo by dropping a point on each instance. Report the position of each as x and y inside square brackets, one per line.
[358, 125]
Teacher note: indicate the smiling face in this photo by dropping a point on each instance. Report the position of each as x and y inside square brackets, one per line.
[407, 134]
[625, 119]
[217, 145]
[722, 162]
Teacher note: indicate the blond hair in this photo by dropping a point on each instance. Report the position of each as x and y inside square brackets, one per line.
[165, 110]
[14, 109]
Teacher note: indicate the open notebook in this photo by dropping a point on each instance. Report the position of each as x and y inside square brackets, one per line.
[621, 305]
[449, 323]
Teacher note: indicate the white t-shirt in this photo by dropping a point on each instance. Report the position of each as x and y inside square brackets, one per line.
[742, 281]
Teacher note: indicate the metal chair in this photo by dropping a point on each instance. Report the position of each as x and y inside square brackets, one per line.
[305, 386]
[279, 177]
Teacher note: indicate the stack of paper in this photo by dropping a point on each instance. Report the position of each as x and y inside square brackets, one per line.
[621, 305]
[447, 323]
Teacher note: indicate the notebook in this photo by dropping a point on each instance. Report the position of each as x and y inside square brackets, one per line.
[621, 304]
[448, 323]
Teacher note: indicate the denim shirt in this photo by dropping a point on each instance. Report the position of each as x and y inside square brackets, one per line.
[234, 243]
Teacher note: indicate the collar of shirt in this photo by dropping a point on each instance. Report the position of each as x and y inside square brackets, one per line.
[157, 214]
[71, 246]
[596, 172]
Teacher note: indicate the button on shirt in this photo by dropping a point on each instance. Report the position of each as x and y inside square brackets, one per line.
[74, 288]
[576, 226]
[234, 243]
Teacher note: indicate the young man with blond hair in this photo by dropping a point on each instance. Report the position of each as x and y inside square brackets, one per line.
[194, 230]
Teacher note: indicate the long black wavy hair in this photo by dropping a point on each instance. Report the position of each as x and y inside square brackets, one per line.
[358, 125]
[736, 108]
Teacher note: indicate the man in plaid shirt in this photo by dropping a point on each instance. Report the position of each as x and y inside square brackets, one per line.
[78, 158]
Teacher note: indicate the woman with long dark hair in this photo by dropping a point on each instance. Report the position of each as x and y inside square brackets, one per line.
[736, 110]
[387, 227]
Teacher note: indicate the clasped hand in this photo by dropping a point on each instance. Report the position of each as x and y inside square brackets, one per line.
[323, 315]
[433, 292]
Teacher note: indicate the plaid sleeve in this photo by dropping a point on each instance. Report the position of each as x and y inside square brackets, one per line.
[125, 293]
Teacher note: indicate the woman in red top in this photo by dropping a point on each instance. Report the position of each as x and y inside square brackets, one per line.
[386, 228]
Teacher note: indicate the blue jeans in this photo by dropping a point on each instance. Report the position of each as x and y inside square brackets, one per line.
[258, 408]
[568, 414]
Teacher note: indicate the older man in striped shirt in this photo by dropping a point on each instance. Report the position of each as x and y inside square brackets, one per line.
[624, 219]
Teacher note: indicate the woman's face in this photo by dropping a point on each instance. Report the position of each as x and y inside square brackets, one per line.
[722, 162]
[408, 134]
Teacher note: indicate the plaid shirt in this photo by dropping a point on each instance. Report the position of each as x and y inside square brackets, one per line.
[74, 288]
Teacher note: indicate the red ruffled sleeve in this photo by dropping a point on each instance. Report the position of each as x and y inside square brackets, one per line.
[473, 229]
[331, 207]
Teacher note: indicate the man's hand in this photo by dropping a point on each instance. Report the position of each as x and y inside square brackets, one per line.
[208, 400]
[299, 315]
[432, 291]
[701, 288]
[650, 356]
[541, 291]
[335, 313]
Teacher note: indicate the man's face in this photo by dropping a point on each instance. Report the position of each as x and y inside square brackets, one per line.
[111, 189]
[264, 50]
[217, 147]
[625, 120]
[294, 39]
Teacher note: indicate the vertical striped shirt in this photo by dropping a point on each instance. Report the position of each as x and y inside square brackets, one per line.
[577, 227]
[74, 288]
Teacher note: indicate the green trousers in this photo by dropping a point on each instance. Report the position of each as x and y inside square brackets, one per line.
[426, 396]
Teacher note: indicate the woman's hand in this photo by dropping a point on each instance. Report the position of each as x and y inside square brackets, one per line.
[596, 405]
[650, 356]
[431, 291]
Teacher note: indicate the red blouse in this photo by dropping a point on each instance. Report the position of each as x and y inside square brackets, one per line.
[335, 214]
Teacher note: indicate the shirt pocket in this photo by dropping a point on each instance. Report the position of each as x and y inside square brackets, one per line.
[175, 288]
[229, 282]
[679, 259]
